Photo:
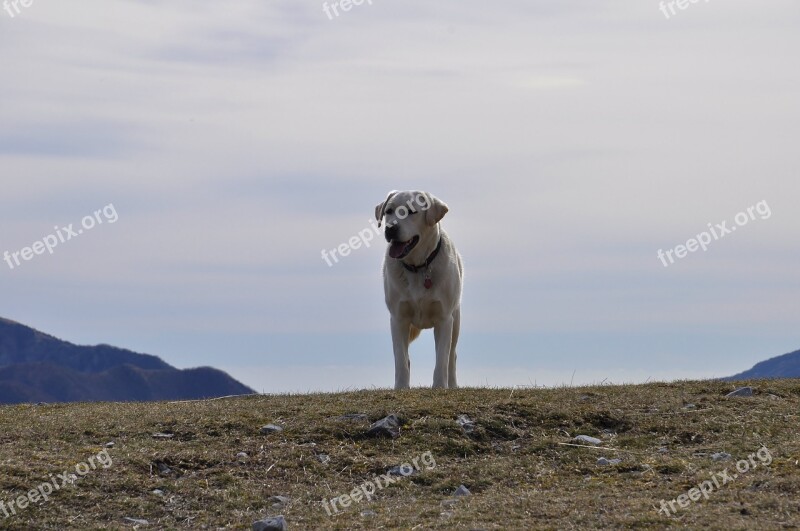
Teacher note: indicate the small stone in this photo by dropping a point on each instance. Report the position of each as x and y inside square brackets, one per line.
[109, 445]
[742, 391]
[462, 491]
[163, 469]
[721, 456]
[324, 458]
[157, 492]
[587, 439]
[354, 417]
[270, 429]
[135, 521]
[605, 462]
[275, 523]
[689, 406]
[368, 513]
[466, 424]
[278, 500]
[241, 456]
[402, 470]
[663, 450]
[388, 426]
[163, 435]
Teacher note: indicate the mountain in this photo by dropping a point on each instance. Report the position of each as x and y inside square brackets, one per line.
[37, 367]
[786, 366]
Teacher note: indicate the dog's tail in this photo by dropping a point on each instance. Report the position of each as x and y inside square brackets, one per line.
[413, 333]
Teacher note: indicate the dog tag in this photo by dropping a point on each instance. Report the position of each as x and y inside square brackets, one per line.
[428, 283]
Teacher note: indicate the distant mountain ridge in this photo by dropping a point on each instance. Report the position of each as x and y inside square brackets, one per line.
[37, 367]
[785, 366]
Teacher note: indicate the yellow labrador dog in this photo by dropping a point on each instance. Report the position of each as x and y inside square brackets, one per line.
[422, 278]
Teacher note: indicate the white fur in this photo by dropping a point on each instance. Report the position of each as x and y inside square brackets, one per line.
[413, 307]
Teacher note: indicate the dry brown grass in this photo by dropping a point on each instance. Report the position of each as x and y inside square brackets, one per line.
[520, 472]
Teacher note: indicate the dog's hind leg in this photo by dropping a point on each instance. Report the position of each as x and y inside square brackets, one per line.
[442, 335]
[451, 367]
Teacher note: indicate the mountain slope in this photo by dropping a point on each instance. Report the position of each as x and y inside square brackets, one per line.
[786, 366]
[22, 344]
[36, 367]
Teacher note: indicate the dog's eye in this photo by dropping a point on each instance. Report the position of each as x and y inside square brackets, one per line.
[389, 211]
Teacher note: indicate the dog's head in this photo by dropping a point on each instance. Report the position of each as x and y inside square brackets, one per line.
[410, 217]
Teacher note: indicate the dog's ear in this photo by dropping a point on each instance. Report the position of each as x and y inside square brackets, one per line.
[380, 208]
[435, 211]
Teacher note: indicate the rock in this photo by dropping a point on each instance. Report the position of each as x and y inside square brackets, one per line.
[109, 445]
[135, 521]
[163, 469]
[721, 456]
[388, 426]
[278, 500]
[157, 492]
[605, 462]
[368, 513]
[324, 458]
[689, 406]
[466, 424]
[462, 491]
[163, 435]
[274, 523]
[402, 470]
[742, 391]
[663, 450]
[270, 429]
[587, 439]
[354, 417]
[241, 456]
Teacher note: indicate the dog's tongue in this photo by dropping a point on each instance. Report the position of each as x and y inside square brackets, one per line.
[397, 248]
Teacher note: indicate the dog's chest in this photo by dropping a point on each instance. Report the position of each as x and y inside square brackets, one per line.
[421, 306]
[422, 313]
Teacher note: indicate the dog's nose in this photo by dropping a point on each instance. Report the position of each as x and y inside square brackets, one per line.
[391, 233]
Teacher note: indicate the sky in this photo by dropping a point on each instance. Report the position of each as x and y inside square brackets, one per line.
[209, 152]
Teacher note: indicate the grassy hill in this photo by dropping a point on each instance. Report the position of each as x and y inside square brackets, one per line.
[521, 463]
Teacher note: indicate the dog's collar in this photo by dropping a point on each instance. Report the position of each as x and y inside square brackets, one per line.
[415, 268]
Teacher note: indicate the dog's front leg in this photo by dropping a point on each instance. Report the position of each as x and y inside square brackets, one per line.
[443, 335]
[402, 365]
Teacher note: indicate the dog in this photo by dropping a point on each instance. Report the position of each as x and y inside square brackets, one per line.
[422, 280]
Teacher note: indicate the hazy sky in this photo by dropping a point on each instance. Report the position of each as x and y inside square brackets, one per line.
[571, 139]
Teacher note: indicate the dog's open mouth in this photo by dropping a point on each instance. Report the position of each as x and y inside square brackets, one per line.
[400, 249]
